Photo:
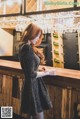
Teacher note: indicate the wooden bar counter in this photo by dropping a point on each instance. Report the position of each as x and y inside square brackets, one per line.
[64, 90]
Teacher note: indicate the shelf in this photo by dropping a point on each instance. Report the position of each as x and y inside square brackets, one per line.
[57, 50]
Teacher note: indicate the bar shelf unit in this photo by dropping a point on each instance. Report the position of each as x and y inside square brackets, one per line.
[57, 49]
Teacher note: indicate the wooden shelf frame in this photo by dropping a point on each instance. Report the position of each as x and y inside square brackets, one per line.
[13, 14]
[24, 12]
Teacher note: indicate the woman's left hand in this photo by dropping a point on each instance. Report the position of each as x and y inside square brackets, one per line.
[42, 68]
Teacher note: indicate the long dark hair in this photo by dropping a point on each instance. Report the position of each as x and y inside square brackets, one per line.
[30, 32]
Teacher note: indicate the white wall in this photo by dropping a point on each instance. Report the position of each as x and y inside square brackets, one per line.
[6, 43]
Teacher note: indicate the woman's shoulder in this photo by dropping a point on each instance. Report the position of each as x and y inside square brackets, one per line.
[24, 46]
[25, 49]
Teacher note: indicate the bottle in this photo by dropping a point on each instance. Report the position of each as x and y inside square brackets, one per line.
[55, 44]
[56, 52]
[56, 60]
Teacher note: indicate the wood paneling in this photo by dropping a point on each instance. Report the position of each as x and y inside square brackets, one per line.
[64, 90]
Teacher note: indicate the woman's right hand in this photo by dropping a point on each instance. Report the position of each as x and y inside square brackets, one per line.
[42, 68]
[42, 73]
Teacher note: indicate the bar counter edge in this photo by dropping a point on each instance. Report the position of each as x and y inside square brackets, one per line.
[64, 77]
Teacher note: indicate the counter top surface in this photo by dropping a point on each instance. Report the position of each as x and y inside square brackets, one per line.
[75, 74]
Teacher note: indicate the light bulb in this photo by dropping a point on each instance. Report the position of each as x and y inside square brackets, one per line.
[19, 1]
[0, 4]
[9, 2]
[44, 0]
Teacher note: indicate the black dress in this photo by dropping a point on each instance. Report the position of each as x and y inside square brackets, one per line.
[34, 95]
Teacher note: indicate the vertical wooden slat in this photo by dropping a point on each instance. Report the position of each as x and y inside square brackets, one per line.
[7, 90]
[70, 95]
[1, 77]
[64, 102]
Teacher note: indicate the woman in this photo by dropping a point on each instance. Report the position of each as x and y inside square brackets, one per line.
[34, 96]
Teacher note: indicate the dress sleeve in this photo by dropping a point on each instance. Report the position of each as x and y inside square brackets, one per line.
[31, 67]
[28, 63]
